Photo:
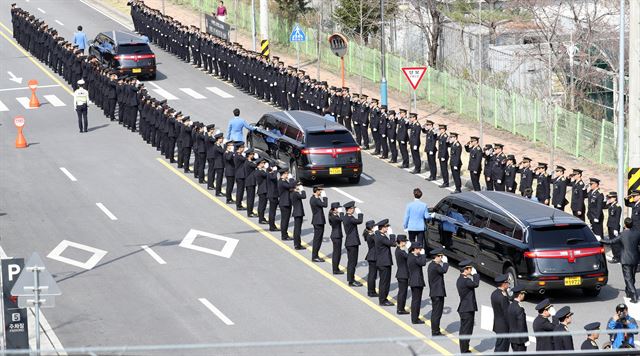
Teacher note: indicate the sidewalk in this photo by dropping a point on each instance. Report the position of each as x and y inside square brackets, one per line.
[515, 145]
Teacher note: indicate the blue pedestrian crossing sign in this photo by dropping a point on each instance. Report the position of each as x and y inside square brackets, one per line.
[297, 35]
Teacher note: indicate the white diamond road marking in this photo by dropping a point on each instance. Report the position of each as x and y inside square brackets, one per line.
[98, 254]
[24, 101]
[3, 107]
[220, 92]
[192, 93]
[227, 249]
[53, 100]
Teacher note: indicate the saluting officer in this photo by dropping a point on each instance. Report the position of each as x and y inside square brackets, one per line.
[369, 237]
[633, 201]
[216, 168]
[614, 212]
[383, 260]
[517, 319]
[437, 292]
[274, 196]
[590, 343]
[563, 342]
[382, 129]
[285, 187]
[497, 167]
[416, 260]
[318, 202]
[431, 137]
[402, 273]
[526, 175]
[414, 142]
[543, 184]
[352, 240]
[510, 171]
[466, 285]
[239, 160]
[475, 161]
[443, 155]
[251, 168]
[543, 323]
[297, 196]
[403, 137]
[500, 305]
[558, 198]
[488, 161]
[335, 221]
[456, 160]
[392, 122]
[596, 204]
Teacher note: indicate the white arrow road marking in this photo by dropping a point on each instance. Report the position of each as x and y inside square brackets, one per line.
[192, 93]
[98, 254]
[53, 100]
[14, 78]
[215, 311]
[153, 254]
[3, 107]
[68, 174]
[348, 195]
[226, 251]
[219, 92]
[106, 211]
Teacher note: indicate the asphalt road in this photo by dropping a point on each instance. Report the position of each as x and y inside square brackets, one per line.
[265, 291]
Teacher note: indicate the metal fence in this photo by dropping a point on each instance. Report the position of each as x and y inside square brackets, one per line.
[537, 120]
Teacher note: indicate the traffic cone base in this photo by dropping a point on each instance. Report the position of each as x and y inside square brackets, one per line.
[33, 102]
[20, 140]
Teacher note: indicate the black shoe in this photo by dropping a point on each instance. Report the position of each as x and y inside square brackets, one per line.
[634, 300]
[417, 322]
[201, 181]
[366, 147]
[404, 166]
[444, 185]
[372, 294]
[172, 161]
[187, 171]
[355, 284]
[393, 161]
[229, 201]
[435, 333]
[240, 208]
[402, 312]
[274, 229]
[251, 215]
[286, 238]
[317, 259]
[263, 222]
[384, 157]
[219, 194]
[338, 272]
[429, 179]
[386, 303]
[375, 153]
[415, 171]
[457, 191]
[299, 248]
[210, 188]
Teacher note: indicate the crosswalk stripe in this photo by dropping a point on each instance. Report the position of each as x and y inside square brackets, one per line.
[221, 93]
[24, 101]
[165, 94]
[53, 100]
[192, 93]
[3, 107]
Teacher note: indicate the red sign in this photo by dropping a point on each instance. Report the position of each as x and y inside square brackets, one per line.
[18, 121]
[414, 75]
[33, 84]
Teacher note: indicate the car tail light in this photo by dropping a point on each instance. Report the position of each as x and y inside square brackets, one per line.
[549, 278]
[330, 151]
[570, 255]
[595, 275]
[135, 57]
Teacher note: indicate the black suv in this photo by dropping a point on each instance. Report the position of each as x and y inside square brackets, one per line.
[126, 53]
[538, 247]
[310, 145]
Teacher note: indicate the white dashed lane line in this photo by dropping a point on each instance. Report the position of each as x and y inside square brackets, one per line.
[154, 255]
[348, 195]
[216, 311]
[68, 174]
[106, 211]
[59, 23]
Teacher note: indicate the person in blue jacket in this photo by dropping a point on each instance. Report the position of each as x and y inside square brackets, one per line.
[414, 218]
[622, 320]
[236, 126]
[80, 39]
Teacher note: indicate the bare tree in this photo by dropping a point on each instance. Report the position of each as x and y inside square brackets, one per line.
[427, 15]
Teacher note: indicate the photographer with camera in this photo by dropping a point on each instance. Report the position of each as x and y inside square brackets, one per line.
[621, 320]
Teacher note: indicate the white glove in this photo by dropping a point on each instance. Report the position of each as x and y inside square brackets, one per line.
[422, 252]
[432, 215]
[323, 194]
[266, 165]
[274, 168]
[357, 211]
[430, 152]
[598, 238]
[383, 136]
[442, 159]
[392, 140]
[552, 311]
[455, 168]
[475, 172]
[244, 154]
[445, 259]
[615, 232]
[473, 271]
[341, 210]
[375, 129]
[528, 342]
[499, 181]
[415, 148]
[390, 231]
[596, 220]
[299, 189]
[255, 156]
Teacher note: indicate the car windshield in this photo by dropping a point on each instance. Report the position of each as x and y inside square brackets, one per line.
[561, 237]
[330, 139]
[134, 49]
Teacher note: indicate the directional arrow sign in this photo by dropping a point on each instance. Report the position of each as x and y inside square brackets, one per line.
[14, 78]
[414, 75]
[25, 284]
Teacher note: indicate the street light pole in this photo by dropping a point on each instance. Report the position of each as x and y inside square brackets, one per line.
[479, 105]
[383, 81]
[621, 169]
[253, 24]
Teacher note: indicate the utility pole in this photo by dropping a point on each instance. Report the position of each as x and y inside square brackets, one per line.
[253, 24]
[319, 35]
[621, 165]
[383, 81]
[264, 19]
[163, 7]
[634, 86]
[479, 105]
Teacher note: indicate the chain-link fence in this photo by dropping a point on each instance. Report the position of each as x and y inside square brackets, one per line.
[537, 120]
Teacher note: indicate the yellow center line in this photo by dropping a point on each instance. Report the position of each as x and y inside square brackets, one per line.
[309, 263]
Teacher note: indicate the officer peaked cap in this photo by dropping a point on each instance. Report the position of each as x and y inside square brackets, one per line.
[415, 245]
[401, 238]
[501, 278]
[594, 180]
[543, 305]
[466, 263]
[335, 205]
[437, 251]
[518, 289]
[349, 205]
[592, 326]
[370, 224]
[383, 222]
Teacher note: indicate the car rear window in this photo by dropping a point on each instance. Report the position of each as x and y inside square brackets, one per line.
[138, 48]
[330, 139]
[568, 236]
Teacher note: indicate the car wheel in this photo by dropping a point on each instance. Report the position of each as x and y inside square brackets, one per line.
[591, 292]
[511, 276]
[354, 180]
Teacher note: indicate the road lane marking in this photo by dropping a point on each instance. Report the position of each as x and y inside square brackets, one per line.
[226, 250]
[25, 88]
[24, 101]
[154, 255]
[347, 195]
[97, 254]
[53, 100]
[106, 211]
[192, 93]
[68, 174]
[305, 260]
[486, 318]
[3, 255]
[366, 177]
[165, 94]
[3, 107]
[50, 335]
[216, 311]
[219, 92]
[59, 23]
[44, 12]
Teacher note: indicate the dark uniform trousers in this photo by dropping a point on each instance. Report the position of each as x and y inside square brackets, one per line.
[371, 277]
[615, 248]
[219, 173]
[297, 231]
[629, 275]
[455, 173]
[518, 347]
[231, 181]
[239, 192]
[466, 328]
[251, 198]
[404, 153]
[210, 173]
[475, 180]
[403, 286]
[318, 234]
[185, 157]
[81, 110]
[202, 158]
[579, 216]
[488, 182]
[352, 260]
[417, 236]
[431, 159]
[502, 345]
[416, 300]
[336, 254]
[415, 155]
[285, 216]
[437, 306]
[385, 282]
[393, 146]
[365, 135]
[597, 228]
[262, 206]
[444, 171]
[273, 206]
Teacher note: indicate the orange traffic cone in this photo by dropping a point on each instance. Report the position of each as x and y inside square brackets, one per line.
[20, 140]
[33, 102]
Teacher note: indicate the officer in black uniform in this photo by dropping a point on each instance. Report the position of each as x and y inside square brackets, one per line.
[345, 109]
[526, 175]
[543, 183]
[595, 206]
[261, 175]
[392, 122]
[375, 116]
[369, 237]
[590, 343]
[416, 260]
[499, 160]
[558, 197]
[285, 186]
[252, 167]
[543, 323]
[414, 142]
[215, 160]
[563, 342]
[510, 171]
[186, 141]
[437, 292]
[239, 160]
[466, 285]
[229, 170]
[578, 194]
[517, 320]
[443, 155]
[614, 213]
[500, 305]
[488, 163]
[402, 273]
[274, 196]
[633, 201]
[335, 221]
[382, 129]
[431, 137]
[297, 196]
[475, 161]
[456, 161]
[402, 136]
[384, 261]
[318, 202]
[352, 240]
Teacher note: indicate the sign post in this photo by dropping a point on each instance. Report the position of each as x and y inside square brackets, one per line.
[338, 43]
[16, 330]
[414, 76]
[297, 36]
[39, 287]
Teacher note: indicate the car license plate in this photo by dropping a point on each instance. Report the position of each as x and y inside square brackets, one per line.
[335, 170]
[136, 70]
[572, 281]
